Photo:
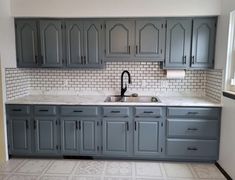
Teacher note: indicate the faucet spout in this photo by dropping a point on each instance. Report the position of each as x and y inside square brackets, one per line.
[123, 89]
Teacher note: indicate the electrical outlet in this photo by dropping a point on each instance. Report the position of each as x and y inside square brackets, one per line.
[164, 84]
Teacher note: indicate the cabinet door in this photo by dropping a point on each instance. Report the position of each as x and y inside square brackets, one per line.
[51, 43]
[150, 39]
[116, 136]
[178, 43]
[74, 42]
[89, 136]
[26, 43]
[19, 135]
[93, 49]
[46, 135]
[203, 43]
[119, 38]
[70, 136]
[147, 137]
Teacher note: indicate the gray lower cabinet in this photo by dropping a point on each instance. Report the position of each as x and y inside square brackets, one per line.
[203, 42]
[148, 135]
[116, 136]
[46, 134]
[27, 43]
[19, 135]
[51, 43]
[178, 42]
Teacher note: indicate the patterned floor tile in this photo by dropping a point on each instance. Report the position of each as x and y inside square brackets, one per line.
[207, 171]
[86, 178]
[148, 169]
[90, 168]
[10, 165]
[61, 167]
[22, 177]
[33, 166]
[118, 168]
[177, 170]
[118, 178]
[3, 176]
[54, 178]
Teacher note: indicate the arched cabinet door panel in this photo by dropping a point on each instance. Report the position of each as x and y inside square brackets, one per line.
[27, 43]
[150, 39]
[51, 43]
[119, 38]
[203, 43]
[178, 43]
[93, 48]
[74, 43]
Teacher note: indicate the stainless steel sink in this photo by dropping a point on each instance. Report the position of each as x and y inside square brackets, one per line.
[141, 99]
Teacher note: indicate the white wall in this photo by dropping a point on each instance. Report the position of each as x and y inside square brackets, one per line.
[114, 8]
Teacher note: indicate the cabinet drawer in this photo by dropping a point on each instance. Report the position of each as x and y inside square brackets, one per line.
[116, 111]
[18, 109]
[193, 112]
[45, 110]
[79, 111]
[183, 128]
[148, 112]
[196, 148]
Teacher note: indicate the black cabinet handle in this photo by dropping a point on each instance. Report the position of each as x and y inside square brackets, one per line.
[127, 126]
[192, 149]
[84, 59]
[79, 111]
[184, 59]
[192, 60]
[193, 113]
[148, 112]
[135, 125]
[192, 129]
[27, 124]
[17, 110]
[43, 110]
[36, 59]
[76, 124]
[115, 111]
[81, 59]
[34, 124]
[129, 49]
[79, 125]
[136, 49]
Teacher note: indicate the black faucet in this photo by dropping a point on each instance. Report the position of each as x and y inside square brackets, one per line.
[123, 90]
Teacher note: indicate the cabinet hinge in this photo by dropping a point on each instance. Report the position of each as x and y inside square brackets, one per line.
[161, 149]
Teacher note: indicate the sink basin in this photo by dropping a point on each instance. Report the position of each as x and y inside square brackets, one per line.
[141, 99]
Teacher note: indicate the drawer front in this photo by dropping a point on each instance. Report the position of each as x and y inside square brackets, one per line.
[148, 112]
[45, 110]
[193, 112]
[79, 111]
[180, 128]
[116, 111]
[18, 110]
[193, 148]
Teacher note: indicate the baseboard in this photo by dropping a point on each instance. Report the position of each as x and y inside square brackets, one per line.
[226, 175]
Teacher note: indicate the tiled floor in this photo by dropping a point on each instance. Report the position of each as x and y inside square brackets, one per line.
[47, 169]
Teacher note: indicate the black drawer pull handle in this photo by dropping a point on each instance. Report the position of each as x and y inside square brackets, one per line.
[43, 110]
[135, 125]
[192, 129]
[17, 110]
[79, 125]
[148, 112]
[34, 124]
[127, 126]
[115, 111]
[193, 113]
[79, 111]
[27, 124]
[192, 149]
[76, 125]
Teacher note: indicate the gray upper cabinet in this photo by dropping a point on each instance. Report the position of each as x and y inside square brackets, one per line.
[19, 135]
[119, 38]
[178, 43]
[150, 39]
[46, 135]
[27, 43]
[147, 136]
[93, 49]
[74, 43]
[51, 43]
[203, 42]
[116, 136]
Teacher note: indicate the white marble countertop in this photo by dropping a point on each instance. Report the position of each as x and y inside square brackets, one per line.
[99, 100]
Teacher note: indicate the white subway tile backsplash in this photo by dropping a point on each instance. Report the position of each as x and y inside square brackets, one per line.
[146, 77]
